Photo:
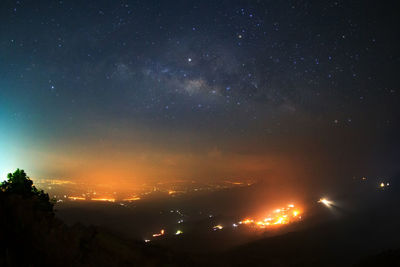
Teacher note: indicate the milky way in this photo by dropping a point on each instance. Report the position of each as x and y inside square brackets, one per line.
[232, 87]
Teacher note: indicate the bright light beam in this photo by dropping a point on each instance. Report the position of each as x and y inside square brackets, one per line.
[325, 202]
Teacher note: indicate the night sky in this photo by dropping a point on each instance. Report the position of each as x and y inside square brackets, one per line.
[302, 92]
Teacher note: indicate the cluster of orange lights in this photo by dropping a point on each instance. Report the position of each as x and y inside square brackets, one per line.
[93, 199]
[278, 217]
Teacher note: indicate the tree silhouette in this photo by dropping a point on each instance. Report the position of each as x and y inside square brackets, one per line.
[20, 184]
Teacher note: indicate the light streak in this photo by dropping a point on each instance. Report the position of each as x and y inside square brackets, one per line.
[218, 227]
[134, 198]
[77, 198]
[162, 232]
[246, 221]
[104, 199]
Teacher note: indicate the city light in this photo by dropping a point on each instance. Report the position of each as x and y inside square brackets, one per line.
[162, 232]
[246, 221]
[179, 232]
[134, 198]
[104, 199]
[76, 198]
[218, 227]
[279, 217]
[383, 185]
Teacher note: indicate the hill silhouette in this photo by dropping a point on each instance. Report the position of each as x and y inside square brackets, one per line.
[31, 235]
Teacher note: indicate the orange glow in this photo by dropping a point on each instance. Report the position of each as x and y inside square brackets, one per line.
[104, 199]
[280, 216]
[111, 161]
[280, 220]
[77, 198]
[162, 232]
[246, 221]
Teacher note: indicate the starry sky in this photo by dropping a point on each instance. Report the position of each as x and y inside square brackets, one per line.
[301, 92]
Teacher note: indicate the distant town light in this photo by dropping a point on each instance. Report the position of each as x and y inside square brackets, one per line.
[76, 198]
[218, 227]
[246, 221]
[104, 199]
[279, 217]
[179, 232]
[134, 198]
[383, 185]
[162, 232]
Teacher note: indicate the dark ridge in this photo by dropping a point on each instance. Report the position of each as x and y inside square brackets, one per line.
[31, 235]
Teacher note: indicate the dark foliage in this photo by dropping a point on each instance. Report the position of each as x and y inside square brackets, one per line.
[19, 183]
[31, 235]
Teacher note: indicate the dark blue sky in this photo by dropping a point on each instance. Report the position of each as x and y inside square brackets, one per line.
[199, 89]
